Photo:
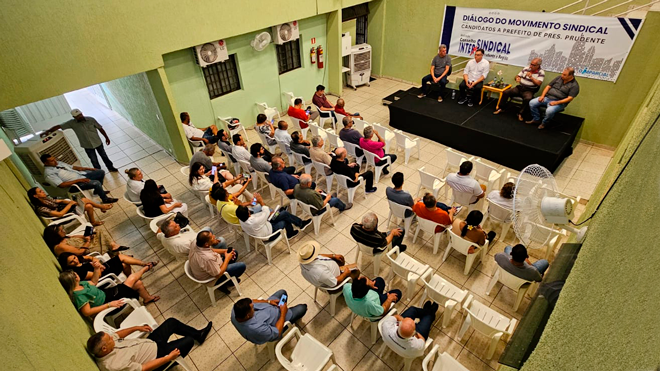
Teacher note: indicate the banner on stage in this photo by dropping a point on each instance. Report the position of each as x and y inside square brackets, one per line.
[596, 47]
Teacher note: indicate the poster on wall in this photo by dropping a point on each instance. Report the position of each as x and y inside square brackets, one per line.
[596, 47]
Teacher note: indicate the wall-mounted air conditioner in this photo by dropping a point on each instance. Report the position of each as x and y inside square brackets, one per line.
[211, 53]
[286, 32]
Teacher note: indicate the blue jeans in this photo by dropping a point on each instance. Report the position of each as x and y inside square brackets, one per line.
[550, 111]
[540, 265]
[286, 221]
[208, 135]
[380, 290]
[426, 319]
[334, 202]
[297, 312]
[95, 182]
[429, 78]
[91, 153]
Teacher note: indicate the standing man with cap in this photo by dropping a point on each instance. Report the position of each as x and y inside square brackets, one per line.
[86, 129]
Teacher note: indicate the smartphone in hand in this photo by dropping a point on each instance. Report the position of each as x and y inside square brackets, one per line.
[282, 300]
[254, 201]
[214, 169]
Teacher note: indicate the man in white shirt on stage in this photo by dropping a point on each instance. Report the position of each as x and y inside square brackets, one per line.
[476, 71]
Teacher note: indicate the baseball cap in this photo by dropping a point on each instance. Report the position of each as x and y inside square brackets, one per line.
[75, 112]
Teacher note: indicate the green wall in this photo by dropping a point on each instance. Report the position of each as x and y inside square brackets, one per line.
[259, 76]
[40, 328]
[350, 26]
[412, 34]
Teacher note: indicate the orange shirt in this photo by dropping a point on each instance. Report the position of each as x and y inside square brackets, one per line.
[438, 215]
[300, 114]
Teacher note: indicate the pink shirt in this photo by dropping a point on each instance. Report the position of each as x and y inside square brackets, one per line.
[373, 146]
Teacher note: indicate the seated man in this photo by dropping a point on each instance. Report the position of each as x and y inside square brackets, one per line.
[240, 151]
[114, 352]
[350, 135]
[434, 211]
[398, 195]
[281, 179]
[324, 270]
[228, 203]
[257, 160]
[529, 80]
[257, 224]
[555, 97]
[376, 147]
[266, 128]
[440, 70]
[339, 108]
[297, 111]
[282, 135]
[368, 235]
[206, 135]
[321, 101]
[400, 331]
[135, 185]
[225, 144]
[340, 165]
[205, 157]
[463, 182]
[516, 261]
[304, 192]
[63, 175]
[176, 240]
[475, 72]
[209, 258]
[367, 298]
[261, 321]
[503, 197]
[319, 155]
[299, 145]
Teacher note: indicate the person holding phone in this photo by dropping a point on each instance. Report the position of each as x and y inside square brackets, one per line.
[209, 258]
[205, 156]
[300, 113]
[201, 179]
[228, 203]
[261, 321]
[261, 224]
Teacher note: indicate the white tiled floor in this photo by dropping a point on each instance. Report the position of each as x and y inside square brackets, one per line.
[225, 349]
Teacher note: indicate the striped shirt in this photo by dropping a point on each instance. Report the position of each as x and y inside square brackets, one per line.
[526, 81]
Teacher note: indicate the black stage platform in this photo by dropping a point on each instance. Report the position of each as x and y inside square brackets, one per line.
[475, 130]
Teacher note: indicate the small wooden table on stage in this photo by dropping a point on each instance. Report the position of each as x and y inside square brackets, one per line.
[492, 89]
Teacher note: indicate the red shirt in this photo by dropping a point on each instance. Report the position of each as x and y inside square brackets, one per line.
[438, 215]
[342, 111]
[300, 114]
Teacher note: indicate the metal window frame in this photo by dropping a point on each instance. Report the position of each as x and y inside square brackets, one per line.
[222, 78]
[288, 56]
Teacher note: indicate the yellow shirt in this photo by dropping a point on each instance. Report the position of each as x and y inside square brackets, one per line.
[228, 210]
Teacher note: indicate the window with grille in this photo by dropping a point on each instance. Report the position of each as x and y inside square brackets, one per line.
[361, 30]
[288, 56]
[222, 77]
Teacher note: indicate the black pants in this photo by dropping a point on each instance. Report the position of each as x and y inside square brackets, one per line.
[381, 162]
[380, 286]
[91, 153]
[472, 94]
[368, 177]
[526, 93]
[172, 326]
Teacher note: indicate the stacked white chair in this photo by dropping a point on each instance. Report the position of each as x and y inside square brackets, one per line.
[488, 322]
[406, 144]
[407, 268]
[462, 245]
[399, 211]
[441, 291]
[210, 283]
[292, 98]
[517, 284]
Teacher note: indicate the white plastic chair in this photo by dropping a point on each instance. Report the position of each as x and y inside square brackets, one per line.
[286, 150]
[210, 287]
[359, 125]
[268, 245]
[196, 145]
[501, 215]
[430, 182]
[318, 131]
[324, 116]
[462, 245]
[262, 176]
[320, 171]
[308, 355]
[369, 251]
[212, 207]
[406, 268]
[454, 160]
[136, 203]
[333, 297]
[399, 211]
[296, 125]
[517, 284]
[272, 148]
[537, 236]
[463, 199]
[140, 316]
[81, 223]
[153, 225]
[340, 119]
[407, 361]
[488, 322]
[351, 151]
[387, 135]
[230, 163]
[299, 160]
[140, 211]
[342, 182]
[333, 139]
[239, 128]
[406, 144]
[318, 218]
[185, 170]
[441, 291]
[245, 166]
[444, 362]
[293, 203]
[270, 112]
[373, 322]
[429, 226]
[238, 230]
[292, 98]
[487, 174]
[372, 158]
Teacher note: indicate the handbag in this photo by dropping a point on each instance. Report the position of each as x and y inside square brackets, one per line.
[181, 220]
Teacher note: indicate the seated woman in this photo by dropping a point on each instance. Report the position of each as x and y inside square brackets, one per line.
[50, 207]
[228, 203]
[153, 203]
[470, 230]
[57, 240]
[84, 268]
[90, 300]
[201, 180]
[503, 197]
[135, 185]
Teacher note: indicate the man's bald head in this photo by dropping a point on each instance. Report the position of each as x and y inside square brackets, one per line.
[305, 180]
[340, 153]
[407, 328]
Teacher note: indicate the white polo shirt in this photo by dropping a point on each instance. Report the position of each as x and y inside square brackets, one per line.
[192, 131]
[178, 245]
[322, 272]
[475, 70]
[410, 348]
[465, 184]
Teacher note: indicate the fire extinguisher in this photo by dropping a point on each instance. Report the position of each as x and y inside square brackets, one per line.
[319, 56]
[312, 55]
